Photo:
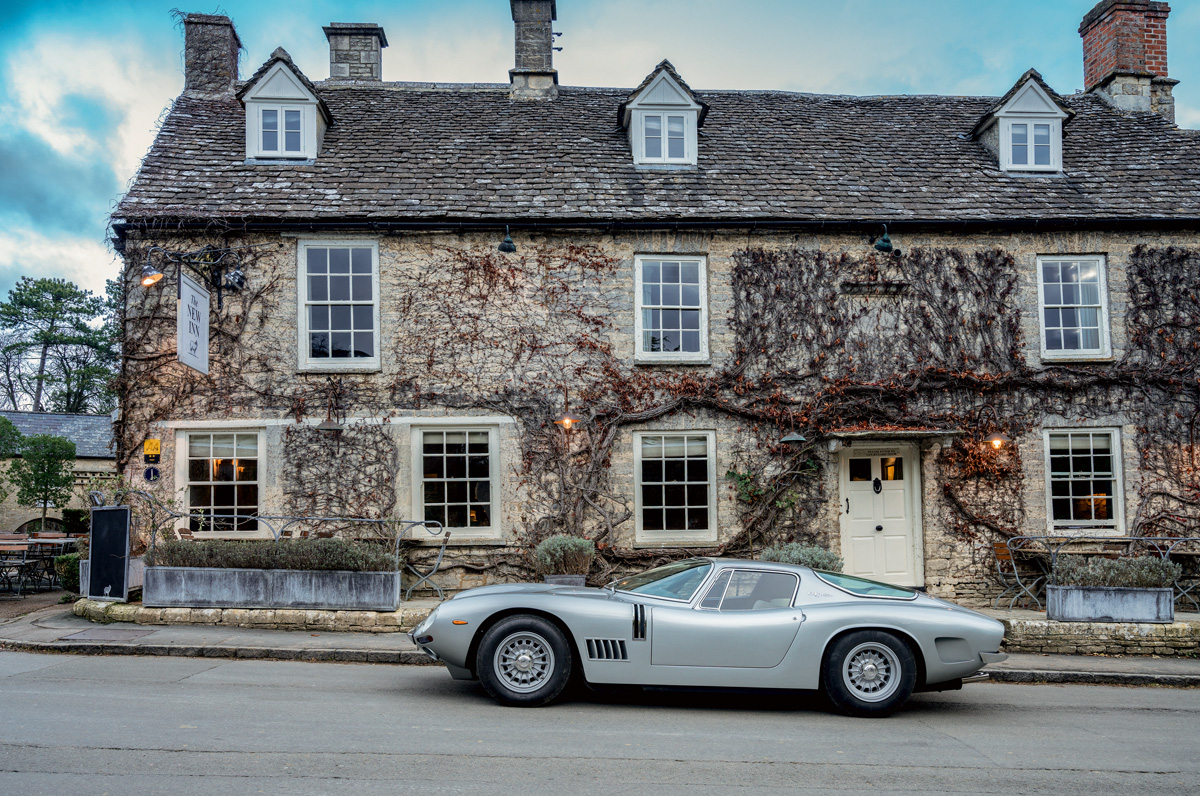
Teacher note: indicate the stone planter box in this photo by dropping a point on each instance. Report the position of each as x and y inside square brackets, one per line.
[136, 570]
[204, 587]
[1109, 604]
[565, 580]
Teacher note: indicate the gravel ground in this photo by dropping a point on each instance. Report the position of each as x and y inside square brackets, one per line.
[12, 607]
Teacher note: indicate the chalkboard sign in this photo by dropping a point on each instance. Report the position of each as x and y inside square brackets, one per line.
[108, 574]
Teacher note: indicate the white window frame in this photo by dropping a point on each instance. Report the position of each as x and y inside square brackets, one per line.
[1117, 526]
[1006, 125]
[254, 130]
[1079, 354]
[182, 483]
[329, 364]
[690, 118]
[701, 356]
[656, 537]
[493, 531]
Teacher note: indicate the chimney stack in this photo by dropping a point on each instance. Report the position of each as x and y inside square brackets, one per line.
[534, 76]
[210, 53]
[1125, 55]
[355, 50]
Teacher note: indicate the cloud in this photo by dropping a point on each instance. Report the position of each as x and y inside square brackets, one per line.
[50, 190]
[86, 262]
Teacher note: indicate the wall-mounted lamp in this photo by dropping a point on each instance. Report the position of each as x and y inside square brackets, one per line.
[507, 246]
[883, 243]
[219, 269]
[997, 440]
[794, 437]
[566, 420]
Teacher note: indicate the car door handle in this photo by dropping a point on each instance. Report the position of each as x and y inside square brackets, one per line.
[878, 527]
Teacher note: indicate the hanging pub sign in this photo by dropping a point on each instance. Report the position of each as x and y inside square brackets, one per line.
[192, 324]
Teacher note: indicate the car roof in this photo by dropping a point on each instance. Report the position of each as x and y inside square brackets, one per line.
[745, 563]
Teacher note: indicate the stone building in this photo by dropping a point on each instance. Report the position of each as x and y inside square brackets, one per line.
[435, 273]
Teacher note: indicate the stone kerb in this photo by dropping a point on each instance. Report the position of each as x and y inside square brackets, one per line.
[1101, 638]
[405, 618]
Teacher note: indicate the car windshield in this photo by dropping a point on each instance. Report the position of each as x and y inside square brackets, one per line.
[678, 581]
[864, 587]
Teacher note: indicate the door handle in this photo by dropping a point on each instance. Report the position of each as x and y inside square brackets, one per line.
[879, 527]
[847, 505]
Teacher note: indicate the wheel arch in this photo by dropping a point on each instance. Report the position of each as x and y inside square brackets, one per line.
[903, 635]
[487, 624]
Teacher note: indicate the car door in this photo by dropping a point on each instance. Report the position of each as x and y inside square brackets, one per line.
[745, 620]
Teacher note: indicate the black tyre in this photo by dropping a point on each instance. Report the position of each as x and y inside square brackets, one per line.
[869, 673]
[524, 661]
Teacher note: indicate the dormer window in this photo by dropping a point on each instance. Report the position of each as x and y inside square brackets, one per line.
[1025, 128]
[284, 117]
[662, 116]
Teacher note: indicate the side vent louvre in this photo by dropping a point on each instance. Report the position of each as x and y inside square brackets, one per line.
[639, 622]
[607, 649]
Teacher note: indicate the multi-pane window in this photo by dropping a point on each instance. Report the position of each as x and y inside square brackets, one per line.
[222, 482]
[675, 484]
[1084, 470]
[672, 318]
[1074, 320]
[664, 136]
[1022, 147]
[751, 590]
[456, 478]
[338, 312]
[281, 131]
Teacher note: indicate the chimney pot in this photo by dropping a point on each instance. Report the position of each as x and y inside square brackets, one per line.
[534, 76]
[355, 50]
[210, 53]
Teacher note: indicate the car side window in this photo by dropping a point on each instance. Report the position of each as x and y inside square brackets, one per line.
[751, 590]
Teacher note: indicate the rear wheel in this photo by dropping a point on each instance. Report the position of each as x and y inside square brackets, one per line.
[869, 673]
[524, 661]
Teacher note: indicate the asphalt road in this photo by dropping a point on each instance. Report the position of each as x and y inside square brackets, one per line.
[126, 725]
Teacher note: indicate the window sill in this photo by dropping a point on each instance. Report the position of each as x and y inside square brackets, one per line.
[666, 167]
[457, 541]
[1078, 358]
[641, 362]
[375, 368]
[264, 160]
[660, 543]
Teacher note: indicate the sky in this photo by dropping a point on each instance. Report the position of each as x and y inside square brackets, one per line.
[83, 84]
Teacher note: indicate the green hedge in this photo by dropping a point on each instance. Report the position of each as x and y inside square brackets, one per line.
[67, 568]
[564, 555]
[1143, 572]
[320, 554]
[805, 555]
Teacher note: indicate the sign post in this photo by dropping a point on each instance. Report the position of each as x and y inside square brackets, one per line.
[192, 324]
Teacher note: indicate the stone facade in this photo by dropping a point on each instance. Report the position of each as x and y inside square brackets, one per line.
[355, 51]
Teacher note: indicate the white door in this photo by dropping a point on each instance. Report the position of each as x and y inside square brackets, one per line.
[880, 538]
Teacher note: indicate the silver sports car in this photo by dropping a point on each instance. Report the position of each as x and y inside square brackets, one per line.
[713, 622]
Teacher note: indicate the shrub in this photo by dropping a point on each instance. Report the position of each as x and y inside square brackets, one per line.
[805, 555]
[322, 554]
[67, 568]
[564, 555]
[1143, 572]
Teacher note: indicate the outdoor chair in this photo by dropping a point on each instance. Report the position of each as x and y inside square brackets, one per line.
[423, 577]
[15, 565]
[1011, 580]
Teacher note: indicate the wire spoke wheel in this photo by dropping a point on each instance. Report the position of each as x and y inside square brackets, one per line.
[524, 661]
[872, 672]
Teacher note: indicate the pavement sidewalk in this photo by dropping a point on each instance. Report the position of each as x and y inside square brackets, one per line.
[57, 629]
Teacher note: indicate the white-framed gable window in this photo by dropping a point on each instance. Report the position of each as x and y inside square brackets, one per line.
[662, 122]
[671, 318]
[676, 499]
[339, 305]
[1083, 479]
[283, 118]
[1073, 308]
[1031, 131]
[455, 483]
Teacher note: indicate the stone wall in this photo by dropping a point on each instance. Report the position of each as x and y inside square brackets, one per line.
[440, 289]
[1101, 638]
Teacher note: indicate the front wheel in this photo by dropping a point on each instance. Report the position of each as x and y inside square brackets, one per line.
[524, 661]
[869, 673]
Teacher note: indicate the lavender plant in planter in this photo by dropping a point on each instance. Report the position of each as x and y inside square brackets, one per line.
[564, 560]
[1126, 589]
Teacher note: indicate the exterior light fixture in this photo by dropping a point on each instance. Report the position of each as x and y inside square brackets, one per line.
[235, 280]
[883, 244]
[566, 420]
[794, 437]
[329, 425]
[997, 440]
[507, 246]
[150, 275]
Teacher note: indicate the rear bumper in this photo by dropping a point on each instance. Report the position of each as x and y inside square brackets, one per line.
[993, 657]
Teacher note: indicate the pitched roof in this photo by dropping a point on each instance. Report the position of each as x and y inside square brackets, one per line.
[663, 66]
[281, 55]
[92, 434]
[435, 152]
[1036, 77]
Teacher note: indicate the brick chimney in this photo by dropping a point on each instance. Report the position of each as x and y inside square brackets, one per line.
[354, 50]
[1125, 55]
[210, 53]
[534, 76]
